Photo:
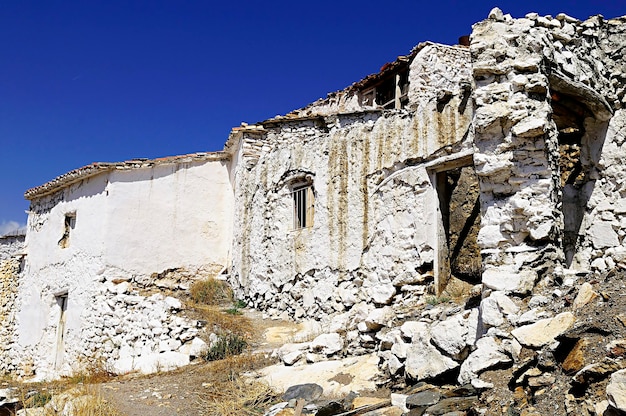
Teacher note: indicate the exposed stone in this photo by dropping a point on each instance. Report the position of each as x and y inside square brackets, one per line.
[544, 331]
[328, 344]
[308, 392]
[488, 353]
[585, 295]
[424, 361]
[616, 390]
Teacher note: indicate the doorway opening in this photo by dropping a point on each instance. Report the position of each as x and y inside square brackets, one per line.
[61, 301]
[458, 197]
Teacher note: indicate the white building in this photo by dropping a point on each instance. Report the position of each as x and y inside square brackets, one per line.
[497, 163]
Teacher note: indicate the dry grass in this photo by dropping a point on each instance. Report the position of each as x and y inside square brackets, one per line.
[56, 398]
[231, 394]
[236, 324]
[211, 292]
[238, 397]
[93, 405]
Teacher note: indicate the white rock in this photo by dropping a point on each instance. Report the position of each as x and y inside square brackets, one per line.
[415, 330]
[173, 303]
[378, 318]
[544, 331]
[585, 295]
[451, 335]
[382, 294]
[505, 279]
[328, 344]
[507, 306]
[490, 312]
[602, 235]
[616, 390]
[424, 361]
[399, 349]
[487, 354]
[399, 400]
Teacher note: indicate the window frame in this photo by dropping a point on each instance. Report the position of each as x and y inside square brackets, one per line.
[303, 200]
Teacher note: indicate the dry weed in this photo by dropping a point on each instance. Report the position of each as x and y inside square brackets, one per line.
[236, 324]
[237, 397]
[211, 291]
[232, 394]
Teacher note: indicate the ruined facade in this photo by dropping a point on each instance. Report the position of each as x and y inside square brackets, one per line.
[496, 164]
[100, 237]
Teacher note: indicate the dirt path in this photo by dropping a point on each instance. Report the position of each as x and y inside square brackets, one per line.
[180, 392]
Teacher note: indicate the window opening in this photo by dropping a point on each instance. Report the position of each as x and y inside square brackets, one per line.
[390, 93]
[303, 206]
[70, 223]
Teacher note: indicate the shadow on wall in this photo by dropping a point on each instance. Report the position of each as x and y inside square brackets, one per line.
[581, 136]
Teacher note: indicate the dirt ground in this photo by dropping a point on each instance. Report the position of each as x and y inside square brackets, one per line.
[182, 392]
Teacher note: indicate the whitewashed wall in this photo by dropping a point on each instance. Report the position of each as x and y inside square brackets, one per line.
[130, 224]
[374, 201]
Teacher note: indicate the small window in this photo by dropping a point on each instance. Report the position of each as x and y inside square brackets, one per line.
[70, 223]
[303, 206]
[390, 92]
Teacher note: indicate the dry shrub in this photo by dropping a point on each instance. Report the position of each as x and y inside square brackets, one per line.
[90, 405]
[211, 291]
[226, 345]
[238, 397]
[225, 323]
[231, 367]
[233, 394]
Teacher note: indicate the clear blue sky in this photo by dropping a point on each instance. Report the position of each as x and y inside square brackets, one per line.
[109, 80]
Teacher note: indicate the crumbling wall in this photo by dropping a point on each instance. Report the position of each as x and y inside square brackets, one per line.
[11, 245]
[143, 226]
[522, 68]
[374, 232]
[9, 279]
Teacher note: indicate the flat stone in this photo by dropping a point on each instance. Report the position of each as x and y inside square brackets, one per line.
[328, 344]
[597, 371]
[423, 398]
[602, 235]
[308, 392]
[505, 279]
[575, 360]
[544, 331]
[452, 404]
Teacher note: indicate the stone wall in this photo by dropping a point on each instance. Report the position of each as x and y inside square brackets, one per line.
[9, 275]
[11, 245]
[545, 87]
[375, 230]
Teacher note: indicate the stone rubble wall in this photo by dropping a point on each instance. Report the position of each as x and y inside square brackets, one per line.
[9, 275]
[10, 246]
[518, 64]
[109, 322]
[374, 222]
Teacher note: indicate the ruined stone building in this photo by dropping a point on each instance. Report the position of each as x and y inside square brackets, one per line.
[497, 163]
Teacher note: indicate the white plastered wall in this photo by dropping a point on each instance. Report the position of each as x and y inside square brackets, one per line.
[129, 224]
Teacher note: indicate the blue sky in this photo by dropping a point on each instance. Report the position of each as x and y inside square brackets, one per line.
[89, 81]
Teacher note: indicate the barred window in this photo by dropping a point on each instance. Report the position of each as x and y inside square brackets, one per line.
[303, 206]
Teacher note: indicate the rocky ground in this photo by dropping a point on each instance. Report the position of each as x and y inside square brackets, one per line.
[559, 351]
